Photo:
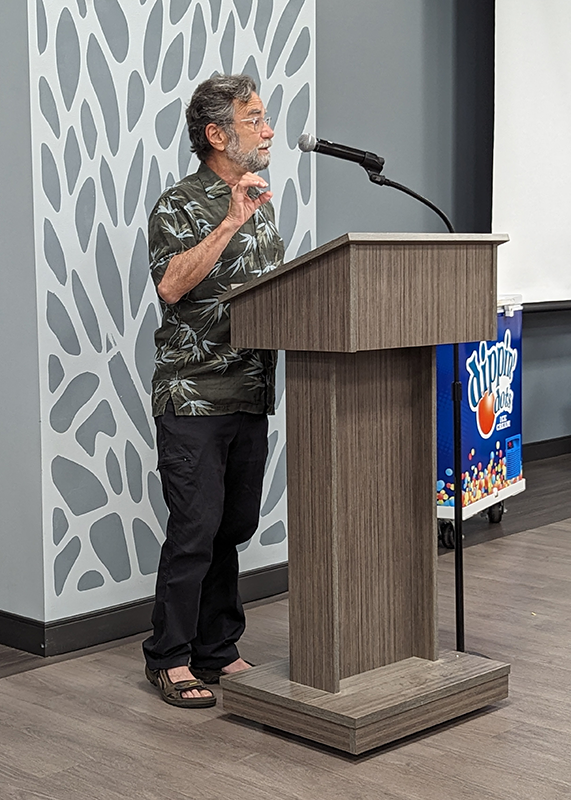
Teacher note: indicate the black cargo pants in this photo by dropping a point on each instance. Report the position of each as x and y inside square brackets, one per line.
[211, 469]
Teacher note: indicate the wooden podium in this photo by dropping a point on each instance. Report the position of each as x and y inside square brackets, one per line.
[359, 319]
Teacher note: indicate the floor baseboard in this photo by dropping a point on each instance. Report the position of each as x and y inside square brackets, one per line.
[108, 624]
[548, 448]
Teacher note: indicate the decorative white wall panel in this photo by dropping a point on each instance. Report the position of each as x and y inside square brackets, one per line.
[109, 83]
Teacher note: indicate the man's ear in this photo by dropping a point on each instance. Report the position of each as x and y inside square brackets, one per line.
[216, 136]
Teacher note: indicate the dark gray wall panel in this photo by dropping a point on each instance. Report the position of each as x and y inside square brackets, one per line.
[546, 366]
[384, 84]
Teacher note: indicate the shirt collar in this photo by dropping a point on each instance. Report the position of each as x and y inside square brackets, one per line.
[214, 186]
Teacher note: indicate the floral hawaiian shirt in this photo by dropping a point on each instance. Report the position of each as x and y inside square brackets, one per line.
[195, 364]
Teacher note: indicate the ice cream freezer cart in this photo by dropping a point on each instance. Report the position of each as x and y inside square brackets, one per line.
[491, 423]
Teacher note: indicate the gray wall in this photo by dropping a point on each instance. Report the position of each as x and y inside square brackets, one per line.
[546, 358]
[385, 83]
[21, 560]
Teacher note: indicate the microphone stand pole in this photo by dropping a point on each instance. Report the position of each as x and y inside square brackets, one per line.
[380, 180]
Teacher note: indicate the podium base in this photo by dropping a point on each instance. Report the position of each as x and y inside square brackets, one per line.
[373, 708]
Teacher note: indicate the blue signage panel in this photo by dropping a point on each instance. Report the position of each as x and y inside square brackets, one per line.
[491, 420]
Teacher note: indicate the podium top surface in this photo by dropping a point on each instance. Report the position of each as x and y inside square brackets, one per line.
[366, 238]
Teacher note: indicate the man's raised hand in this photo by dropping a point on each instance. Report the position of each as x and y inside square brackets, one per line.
[242, 206]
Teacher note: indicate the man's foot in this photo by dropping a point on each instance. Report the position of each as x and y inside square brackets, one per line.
[236, 666]
[213, 675]
[177, 674]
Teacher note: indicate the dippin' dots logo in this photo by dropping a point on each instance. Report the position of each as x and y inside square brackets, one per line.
[491, 370]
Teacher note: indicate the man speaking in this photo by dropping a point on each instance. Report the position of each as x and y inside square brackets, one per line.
[210, 401]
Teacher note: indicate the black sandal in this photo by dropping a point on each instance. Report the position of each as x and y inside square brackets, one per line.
[172, 692]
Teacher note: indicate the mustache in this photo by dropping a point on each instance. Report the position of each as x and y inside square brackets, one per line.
[266, 145]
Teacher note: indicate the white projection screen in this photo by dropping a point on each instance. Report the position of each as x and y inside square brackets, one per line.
[532, 148]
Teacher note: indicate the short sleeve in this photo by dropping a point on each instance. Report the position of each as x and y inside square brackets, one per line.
[170, 233]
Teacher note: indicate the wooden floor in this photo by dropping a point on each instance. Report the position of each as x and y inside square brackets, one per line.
[546, 499]
[91, 727]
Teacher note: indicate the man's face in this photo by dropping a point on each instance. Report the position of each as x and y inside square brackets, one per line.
[250, 139]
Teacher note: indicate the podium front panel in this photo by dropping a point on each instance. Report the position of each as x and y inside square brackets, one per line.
[372, 296]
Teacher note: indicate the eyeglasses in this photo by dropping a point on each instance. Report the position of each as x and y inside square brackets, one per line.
[258, 122]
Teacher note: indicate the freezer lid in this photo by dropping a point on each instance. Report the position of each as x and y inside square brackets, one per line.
[509, 303]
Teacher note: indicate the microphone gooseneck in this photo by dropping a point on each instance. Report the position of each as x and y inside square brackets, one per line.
[371, 162]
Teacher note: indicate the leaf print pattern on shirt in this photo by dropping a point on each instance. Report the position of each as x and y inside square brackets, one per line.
[196, 367]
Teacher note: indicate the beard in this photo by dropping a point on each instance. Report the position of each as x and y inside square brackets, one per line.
[251, 161]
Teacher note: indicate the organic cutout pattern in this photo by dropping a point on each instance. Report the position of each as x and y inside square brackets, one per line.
[126, 140]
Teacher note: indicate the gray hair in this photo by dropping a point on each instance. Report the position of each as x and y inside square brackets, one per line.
[213, 102]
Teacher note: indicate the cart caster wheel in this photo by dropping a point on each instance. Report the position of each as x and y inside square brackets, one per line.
[446, 534]
[495, 512]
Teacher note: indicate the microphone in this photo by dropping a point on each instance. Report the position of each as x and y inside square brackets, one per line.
[370, 161]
